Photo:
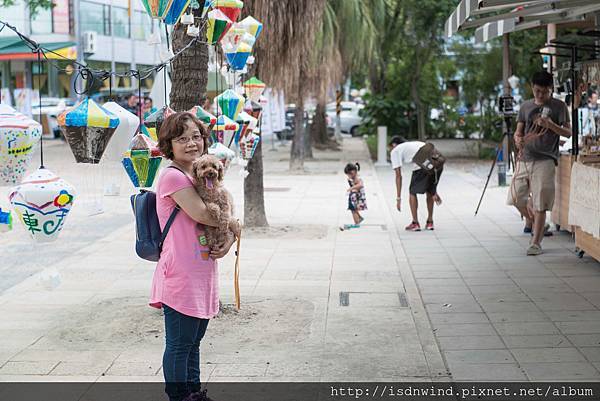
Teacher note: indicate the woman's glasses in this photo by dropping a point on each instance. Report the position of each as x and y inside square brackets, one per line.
[185, 139]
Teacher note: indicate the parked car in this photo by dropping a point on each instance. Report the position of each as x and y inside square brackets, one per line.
[52, 107]
[350, 117]
[290, 115]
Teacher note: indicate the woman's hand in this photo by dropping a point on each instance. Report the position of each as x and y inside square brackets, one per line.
[223, 250]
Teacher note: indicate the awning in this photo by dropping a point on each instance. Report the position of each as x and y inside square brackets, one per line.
[496, 17]
[494, 29]
[16, 49]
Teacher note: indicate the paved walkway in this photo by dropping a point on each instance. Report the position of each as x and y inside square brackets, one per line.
[319, 304]
[81, 314]
[496, 313]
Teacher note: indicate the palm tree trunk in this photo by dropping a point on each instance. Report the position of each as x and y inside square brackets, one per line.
[298, 146]
[189, 71]
[254, 192]
[319, 125]
[308, 143]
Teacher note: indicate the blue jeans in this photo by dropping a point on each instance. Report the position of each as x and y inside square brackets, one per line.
[181, 360]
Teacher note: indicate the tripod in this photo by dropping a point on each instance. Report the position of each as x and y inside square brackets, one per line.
[510, 156]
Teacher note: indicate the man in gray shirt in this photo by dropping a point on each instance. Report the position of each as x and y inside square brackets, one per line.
[540, 124]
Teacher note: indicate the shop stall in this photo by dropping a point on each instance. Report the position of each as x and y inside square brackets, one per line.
[580, 189]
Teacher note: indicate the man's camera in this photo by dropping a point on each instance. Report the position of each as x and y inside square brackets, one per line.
[506, 105]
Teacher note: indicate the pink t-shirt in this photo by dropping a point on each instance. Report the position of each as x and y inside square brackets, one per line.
[185, 278]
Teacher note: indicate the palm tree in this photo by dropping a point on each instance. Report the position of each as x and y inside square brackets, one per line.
[283, 54]
[189, 71]
[344, 44]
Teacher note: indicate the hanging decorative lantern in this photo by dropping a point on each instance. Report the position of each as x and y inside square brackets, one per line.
[248, 125]
[42, 202]
[238, 58]
[218, 25]
[176, 11]
[224, 130]
[142, 161]
[5, 221]
[232, 38]
[88, 128]
[254, 88]
[231, 8]
[248, 39]
[208, 119]
[231, 103]
[157, 8]
[19, 136]
[206, 7]
[253, 108]
[155, 120]
[248, 145]
[128, 126]
[223, 153]
[252, 26]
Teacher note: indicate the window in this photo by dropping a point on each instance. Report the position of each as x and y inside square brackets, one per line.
[95, 17]
[120, 22]
[42, 22]
[122, 82]
[141, 26]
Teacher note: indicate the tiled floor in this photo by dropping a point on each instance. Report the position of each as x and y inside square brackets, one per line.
[496, 313]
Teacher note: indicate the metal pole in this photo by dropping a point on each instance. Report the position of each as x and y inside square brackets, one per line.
[79, 47]
[597, 19]
[6, 75]
[506, 72]
[551, 35]
[113, 63]
[574, 110]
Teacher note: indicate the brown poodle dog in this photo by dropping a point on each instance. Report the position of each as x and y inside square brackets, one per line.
[208, 173]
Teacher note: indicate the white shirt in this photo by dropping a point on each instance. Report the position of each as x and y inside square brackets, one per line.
[402, 155]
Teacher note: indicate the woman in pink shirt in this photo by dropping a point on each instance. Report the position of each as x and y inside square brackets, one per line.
[186, 282]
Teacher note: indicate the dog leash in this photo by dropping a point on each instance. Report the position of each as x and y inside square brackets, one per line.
[236, 273]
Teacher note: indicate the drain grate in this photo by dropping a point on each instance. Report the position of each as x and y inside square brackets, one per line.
[374, 299]
[344, 298]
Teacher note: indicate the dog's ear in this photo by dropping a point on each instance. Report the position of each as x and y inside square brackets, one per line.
[196, 167]
[221, 171]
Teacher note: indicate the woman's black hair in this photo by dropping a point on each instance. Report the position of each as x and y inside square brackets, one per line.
[351, 167]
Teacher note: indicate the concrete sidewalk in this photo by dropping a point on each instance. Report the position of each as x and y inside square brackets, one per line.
[318, 304]
[496, 313]
[77, 309]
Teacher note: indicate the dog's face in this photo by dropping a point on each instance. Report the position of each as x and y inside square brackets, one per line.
[208, 170]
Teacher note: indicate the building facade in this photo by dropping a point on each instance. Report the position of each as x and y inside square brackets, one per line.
[113, 36]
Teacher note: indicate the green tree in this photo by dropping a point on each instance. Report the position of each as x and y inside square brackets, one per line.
[34, 5]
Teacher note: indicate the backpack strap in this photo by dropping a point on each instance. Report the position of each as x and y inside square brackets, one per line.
[171, 219]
